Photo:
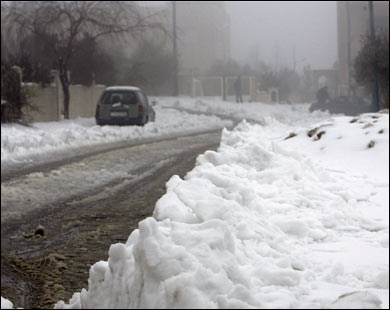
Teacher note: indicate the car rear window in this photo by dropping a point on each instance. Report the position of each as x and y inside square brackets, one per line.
[142, 98]
[124, 97]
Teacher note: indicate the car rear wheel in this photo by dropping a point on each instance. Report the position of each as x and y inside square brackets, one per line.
[99, 122]
[141, 122]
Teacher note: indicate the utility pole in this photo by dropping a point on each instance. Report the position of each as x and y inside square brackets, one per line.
[294, 59]
[224, 47]
[349, 62]
[375, 93]
[175, 83]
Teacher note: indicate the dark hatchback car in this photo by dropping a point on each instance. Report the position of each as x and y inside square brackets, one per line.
[348, 105]
[123, 105]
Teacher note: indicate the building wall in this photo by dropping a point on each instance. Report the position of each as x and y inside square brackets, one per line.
[216, 86]
[185, 85]
[45, 107]
[359, 21]
[83, 100]
[47, 102]
[269, 96]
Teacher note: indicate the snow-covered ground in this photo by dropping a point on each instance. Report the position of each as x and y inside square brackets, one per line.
[293, 213]
[293, 114]
[20, 144]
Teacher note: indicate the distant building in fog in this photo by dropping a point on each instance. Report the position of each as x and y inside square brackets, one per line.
[203, 33]
[203, 29]
[359, 26]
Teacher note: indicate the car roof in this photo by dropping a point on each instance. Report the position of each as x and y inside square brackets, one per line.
[117, 88]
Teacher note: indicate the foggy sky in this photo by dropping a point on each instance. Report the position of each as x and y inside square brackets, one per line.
[275, 27]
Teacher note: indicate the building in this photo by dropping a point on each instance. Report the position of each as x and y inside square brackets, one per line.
[203, 29]
[353, 23]
[203, 35]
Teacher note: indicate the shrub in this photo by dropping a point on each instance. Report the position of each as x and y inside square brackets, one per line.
[377, 57]
[15, 96]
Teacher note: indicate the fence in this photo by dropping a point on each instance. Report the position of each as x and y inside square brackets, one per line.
[83, 100]
[208, 86]
[47, 102]
[44, 102]
[248, 88]
[217, 86]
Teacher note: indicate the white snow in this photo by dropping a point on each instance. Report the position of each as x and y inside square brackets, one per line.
[122, 88]
[6, 304]
[290, 114]
[264, 222]
[21, 144]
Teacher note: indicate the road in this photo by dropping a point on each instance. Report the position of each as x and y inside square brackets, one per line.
[85, 203]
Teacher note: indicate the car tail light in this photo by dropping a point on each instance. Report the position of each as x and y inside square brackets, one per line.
[97, 109]
[140, 109]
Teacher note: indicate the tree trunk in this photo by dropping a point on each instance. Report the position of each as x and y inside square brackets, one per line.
[65, 86]
[65, 89]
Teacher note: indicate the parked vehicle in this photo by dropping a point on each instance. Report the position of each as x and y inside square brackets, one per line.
[123, 105]
[348, 105]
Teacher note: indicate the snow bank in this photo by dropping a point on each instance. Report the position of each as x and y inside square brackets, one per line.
[293, 114]
[255, 224]
[6, 304]
[344, 144]
[19, 143]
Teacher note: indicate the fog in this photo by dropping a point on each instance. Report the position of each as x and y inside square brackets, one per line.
[276, 30]
[282, 33]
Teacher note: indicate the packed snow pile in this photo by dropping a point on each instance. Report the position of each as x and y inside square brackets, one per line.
[19, 143]
[261, 223]
[6, 304]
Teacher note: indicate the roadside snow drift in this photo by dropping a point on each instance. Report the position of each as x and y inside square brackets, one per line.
[20, 144]
[6, 304]
[259, 224]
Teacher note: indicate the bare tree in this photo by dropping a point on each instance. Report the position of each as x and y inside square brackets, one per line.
[61, 25]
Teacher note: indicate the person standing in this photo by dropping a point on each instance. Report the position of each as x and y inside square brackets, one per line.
[237, 88]
[322, 95]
